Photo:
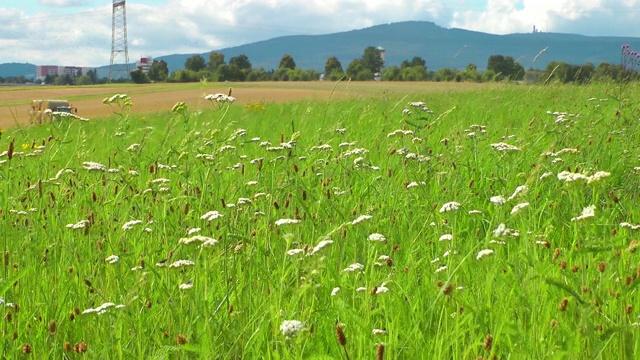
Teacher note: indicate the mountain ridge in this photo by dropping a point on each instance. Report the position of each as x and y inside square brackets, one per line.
[440, 47]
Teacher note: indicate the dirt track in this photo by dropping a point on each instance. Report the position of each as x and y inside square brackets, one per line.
[15, 101]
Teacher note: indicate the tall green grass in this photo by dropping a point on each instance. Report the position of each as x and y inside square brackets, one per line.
[560, 289]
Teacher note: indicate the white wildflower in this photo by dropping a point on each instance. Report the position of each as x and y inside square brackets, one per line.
[361, 289]
[90, 165]
[446, 237]
[335, 291]
[133, 147]
[441, 268]
[519, 190]
[133, 173]
[252, 182]
[630, 226]
[360, 219]
[287, 221]
[294, 252]
[320, 246]
[505, 147]
[198, 239]
[186, 286]
[112, 259]
[519, 207]
[193, 231]
[483, 253]
[545, 175]
[450, 206]
[570, 177]
[382, 289]
[211, 215]
[377, 237]
[130, 224]
[502, 230]
[354, 267]
[598, 176]
[379, 332]
[291, 328]
[79, 225]
[475, 212]
[181, 263]
[588, 212]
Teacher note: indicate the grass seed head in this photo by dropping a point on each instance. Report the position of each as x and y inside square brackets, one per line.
[488, 342]
[26, 349]
[379, 351]
[563, 304]
[342, 339]
[181, 339]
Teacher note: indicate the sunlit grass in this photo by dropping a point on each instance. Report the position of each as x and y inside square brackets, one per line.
[258, 231]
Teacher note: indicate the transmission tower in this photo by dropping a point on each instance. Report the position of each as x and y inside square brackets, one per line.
[119, 48]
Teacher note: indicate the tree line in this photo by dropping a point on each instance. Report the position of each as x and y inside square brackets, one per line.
[369, 66]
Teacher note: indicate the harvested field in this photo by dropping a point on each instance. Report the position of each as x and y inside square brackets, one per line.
[154, 98]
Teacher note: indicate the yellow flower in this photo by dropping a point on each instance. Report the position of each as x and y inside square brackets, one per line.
[25, 146]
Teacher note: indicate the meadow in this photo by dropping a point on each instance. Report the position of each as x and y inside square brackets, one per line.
[499, 223]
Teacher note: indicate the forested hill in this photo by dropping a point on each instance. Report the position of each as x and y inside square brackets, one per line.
[440, 47]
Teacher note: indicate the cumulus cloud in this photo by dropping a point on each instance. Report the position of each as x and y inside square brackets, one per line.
[62, 3]
[595, 17]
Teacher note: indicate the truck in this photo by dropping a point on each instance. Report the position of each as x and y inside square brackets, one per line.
[42, 110]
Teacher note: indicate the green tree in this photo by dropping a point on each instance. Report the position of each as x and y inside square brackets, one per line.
[84, 80]
[372, 60]
[332, 65]
[505, 68]
[215, 60]
[195, 63]
[159, 71]
[391, 74]
[355, 67]
[418, 61]
[241, 62]
[287, 62]
[138, 76]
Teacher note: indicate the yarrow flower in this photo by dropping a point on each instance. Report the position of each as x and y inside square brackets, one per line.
[498, 200]
[102, 308]
[204, 240]
[377, 237]
[354, 267]
[483, 253]
[130, 224]
[181, 263]
[79, 225]
[186, 286]
[519, 207]
[112, 259]
[287, 221]
[291, 328]
[320, 246]
[450, 206]
[502, 230]
[446, 237]
[505, 147]
[335, 291]
[211, 215]
[360, 219]
[90, 165]
[587, 212]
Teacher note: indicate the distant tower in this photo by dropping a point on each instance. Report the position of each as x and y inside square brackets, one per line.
[119, 46]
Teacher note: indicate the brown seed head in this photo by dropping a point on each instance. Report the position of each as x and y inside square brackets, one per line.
[556, 253]
[633, 245]
[51, 326]
[181, 339]
[563, 304]
[602, 266]
[628, 309]
[488, 342]
[563, 264]
[575, 268]
[67, 346]
[26, 349]
[342, 339]
[380, 351]
[80, 347]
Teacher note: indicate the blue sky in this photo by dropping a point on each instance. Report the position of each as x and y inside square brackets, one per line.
[78, 32]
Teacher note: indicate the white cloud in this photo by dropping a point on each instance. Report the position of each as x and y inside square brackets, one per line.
[594, 17]
[62, 3]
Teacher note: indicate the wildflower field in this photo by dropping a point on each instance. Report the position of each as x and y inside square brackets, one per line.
[485, 224]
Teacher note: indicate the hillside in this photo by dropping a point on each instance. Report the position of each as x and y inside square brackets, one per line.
[17, 69]
[440, 47]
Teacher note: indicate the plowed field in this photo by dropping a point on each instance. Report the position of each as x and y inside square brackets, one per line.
[154, 98]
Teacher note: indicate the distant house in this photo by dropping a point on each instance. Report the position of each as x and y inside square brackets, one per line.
[144, 64]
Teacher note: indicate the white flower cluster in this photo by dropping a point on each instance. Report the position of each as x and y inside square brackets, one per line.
[571, 177]
[219, 97]
[501, 146]
[588, 212]
[102, 308]
[291, 328]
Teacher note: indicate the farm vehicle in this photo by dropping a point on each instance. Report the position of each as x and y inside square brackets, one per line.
[43, 110]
